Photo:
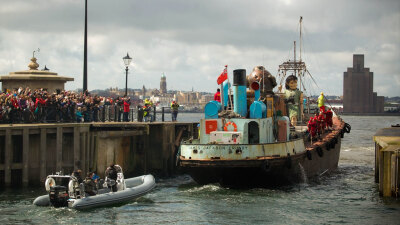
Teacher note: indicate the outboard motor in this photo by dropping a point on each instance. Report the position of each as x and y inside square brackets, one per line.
[59, 196]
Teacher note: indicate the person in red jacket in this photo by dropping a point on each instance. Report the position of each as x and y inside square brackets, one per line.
[312, 128]
[328, 118]
[217, 95]
[127, 104]
[322, 121]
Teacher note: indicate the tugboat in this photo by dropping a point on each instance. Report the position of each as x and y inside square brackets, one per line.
[260, 138]
[66, 191]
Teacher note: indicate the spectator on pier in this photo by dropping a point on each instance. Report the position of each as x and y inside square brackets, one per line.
[174, 110]
[79, 115]
[147, 110]
[127, 104]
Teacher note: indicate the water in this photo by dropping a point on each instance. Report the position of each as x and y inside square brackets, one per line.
[348, 195]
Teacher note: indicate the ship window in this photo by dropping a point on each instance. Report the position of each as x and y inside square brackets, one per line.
[254, 133]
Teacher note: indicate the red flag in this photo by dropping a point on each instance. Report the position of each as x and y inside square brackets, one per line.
[223, 76]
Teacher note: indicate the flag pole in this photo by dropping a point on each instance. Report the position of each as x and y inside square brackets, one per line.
[222, 95]
[229, 87]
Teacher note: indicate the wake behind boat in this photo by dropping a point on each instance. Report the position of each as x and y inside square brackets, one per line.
[65, 191]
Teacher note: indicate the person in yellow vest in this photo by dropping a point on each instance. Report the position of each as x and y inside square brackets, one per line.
[174, 110]
[321, 102]
[147, 109]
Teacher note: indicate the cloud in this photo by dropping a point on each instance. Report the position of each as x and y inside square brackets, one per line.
[191, 41]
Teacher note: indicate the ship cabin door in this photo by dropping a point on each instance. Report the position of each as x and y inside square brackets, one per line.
[254, 133]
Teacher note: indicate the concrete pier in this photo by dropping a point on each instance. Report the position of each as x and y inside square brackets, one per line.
[29, 152]
[387, 157]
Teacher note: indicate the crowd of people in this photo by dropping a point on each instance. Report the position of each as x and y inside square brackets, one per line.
[320, 123]
[40, 106]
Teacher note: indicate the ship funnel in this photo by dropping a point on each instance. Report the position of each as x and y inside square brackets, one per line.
[239, 92]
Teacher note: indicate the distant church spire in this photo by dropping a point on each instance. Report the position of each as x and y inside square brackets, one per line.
[163, 84]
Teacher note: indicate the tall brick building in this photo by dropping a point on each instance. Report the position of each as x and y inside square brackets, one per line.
[163, 84]
[358, 95]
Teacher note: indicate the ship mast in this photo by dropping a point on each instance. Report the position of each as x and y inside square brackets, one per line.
[297, 68]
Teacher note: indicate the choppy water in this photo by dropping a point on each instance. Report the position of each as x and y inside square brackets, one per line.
[348, 195]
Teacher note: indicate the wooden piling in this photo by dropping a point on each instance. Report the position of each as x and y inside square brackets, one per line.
[387, 153]
[25, 157]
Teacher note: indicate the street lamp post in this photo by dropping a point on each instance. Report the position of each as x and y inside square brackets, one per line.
[127, 61]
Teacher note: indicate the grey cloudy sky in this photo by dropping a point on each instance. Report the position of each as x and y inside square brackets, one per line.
[191, 41]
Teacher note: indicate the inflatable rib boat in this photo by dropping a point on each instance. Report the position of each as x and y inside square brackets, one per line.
[73, 196]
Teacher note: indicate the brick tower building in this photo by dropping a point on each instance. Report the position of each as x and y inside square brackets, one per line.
[358, 95]
[163, 84]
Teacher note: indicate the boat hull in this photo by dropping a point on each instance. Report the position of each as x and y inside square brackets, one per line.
[266, 172]
[262, 165]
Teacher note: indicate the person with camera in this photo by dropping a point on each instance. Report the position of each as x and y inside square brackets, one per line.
[127, 104]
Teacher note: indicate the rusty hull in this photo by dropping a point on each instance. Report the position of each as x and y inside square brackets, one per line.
[262, 164]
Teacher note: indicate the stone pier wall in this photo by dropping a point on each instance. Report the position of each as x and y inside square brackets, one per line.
[29, 152]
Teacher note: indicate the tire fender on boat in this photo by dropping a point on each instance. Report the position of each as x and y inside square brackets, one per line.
[308, 154]
[288, 162]
[328, 146]
[347, 128]
[266, 166]
[342, 133]
[320, 151]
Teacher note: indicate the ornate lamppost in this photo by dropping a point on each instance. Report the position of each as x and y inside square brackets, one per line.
[127, 61]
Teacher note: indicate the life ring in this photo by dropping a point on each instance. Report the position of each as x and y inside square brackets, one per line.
[50, 182]
[230, 123]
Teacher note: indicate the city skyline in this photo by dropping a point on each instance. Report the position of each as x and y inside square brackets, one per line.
[192, 41]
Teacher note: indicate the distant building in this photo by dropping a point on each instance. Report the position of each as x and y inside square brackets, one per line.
[358, 95]
[163, 84]
[34, 79]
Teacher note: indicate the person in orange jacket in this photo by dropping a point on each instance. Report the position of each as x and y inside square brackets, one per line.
[312, 127]
[328, 118]
[322, 121]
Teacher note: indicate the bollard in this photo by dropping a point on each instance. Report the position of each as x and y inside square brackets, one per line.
[139, 114]
[154, 113]
[162, 111]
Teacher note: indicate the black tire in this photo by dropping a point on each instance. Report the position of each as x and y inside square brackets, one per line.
[347, 128]
[320, 151]
[266, 166]
[288, 162]
[328, 146]
[308, 154]
[333, 143]
[342, 133]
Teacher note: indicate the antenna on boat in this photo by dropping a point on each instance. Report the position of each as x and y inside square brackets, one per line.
[298, 68]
